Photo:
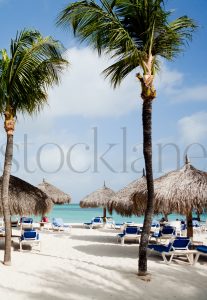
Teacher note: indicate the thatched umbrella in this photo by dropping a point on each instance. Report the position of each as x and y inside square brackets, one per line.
[180, 191]
[26, 199]
[99, 198]
[122, 202]
[56, 195]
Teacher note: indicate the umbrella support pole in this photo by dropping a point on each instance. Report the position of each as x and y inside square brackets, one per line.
[189, 219]
[104, 214]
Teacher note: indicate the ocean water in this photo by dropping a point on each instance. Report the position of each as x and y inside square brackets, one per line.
[73, 213]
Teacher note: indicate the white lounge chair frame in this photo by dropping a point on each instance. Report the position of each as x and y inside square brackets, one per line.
[189, 254]
[198, 254]
[61, 228]
[177, 226]
[130, 236]
[1, 222]
[31, 242]
[26, 226]
[94, 225]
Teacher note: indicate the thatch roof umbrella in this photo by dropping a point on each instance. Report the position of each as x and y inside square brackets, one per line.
[122, 202]
[99, 198]
[26, 199]
[56, 195]
[180, 191]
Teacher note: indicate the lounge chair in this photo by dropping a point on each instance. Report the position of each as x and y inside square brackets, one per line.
[177, 247]
[118, 225]
[14, 222]
[201, 251]
[30, 237]
[58, 224]
[1, 222]
[96, 222]
[155, 223]
[167, 232]
[110, 223]
[204, 226]
[155, 226]
[26, 223]
[184, 229]
[196, 226]
[177, 226]
[45, 225]
[129, 233]
[2, 231]
[129, 223]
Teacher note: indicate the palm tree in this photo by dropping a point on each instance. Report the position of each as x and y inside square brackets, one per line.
[33, 64]
[135, 33]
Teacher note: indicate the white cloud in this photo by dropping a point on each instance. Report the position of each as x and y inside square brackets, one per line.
[84, 92]
[193, 128]
[173, 83]
[196, 93]
[168, 80]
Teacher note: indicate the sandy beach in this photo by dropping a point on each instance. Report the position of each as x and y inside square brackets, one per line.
[90, 264]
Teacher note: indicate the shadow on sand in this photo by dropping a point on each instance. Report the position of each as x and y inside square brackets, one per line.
[80, 280]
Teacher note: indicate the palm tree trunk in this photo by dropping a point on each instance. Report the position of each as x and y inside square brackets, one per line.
[5, 198]
[147, 150]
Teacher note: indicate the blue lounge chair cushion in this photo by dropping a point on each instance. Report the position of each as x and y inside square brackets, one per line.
[160, 248]
[195, 223]
[155, 223]
[183, 226]
[31, 234]
[181, 243]
[26, 220]
[157, 234]
[202, 248]
[97, 220]
[121, 235]
[58, 222]
[130, 230]
[168, 230]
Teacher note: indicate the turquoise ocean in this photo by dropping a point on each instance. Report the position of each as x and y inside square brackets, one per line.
[73, 213]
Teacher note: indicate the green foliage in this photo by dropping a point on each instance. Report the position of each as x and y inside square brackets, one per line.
[33, 64]
[129, 30]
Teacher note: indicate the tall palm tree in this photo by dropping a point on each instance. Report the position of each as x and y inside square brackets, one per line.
[33, 64]
[135, 33]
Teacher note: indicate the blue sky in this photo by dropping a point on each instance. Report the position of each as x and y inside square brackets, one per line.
[91, 133]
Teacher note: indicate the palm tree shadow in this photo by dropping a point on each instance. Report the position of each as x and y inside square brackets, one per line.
[95, 238]
[81, 280]
[109, 250]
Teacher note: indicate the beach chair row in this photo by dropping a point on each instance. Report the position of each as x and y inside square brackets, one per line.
[178, 246]
[28, 223]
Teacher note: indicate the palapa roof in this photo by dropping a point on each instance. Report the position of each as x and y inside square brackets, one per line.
[122, 202]
[179, 191]
[99, 198]
[26, 199]
[56, 195]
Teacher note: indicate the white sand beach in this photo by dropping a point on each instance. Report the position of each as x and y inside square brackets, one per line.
[90, 264]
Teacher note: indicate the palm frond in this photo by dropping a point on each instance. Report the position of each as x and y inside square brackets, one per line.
[35, 63]
[129, 30]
